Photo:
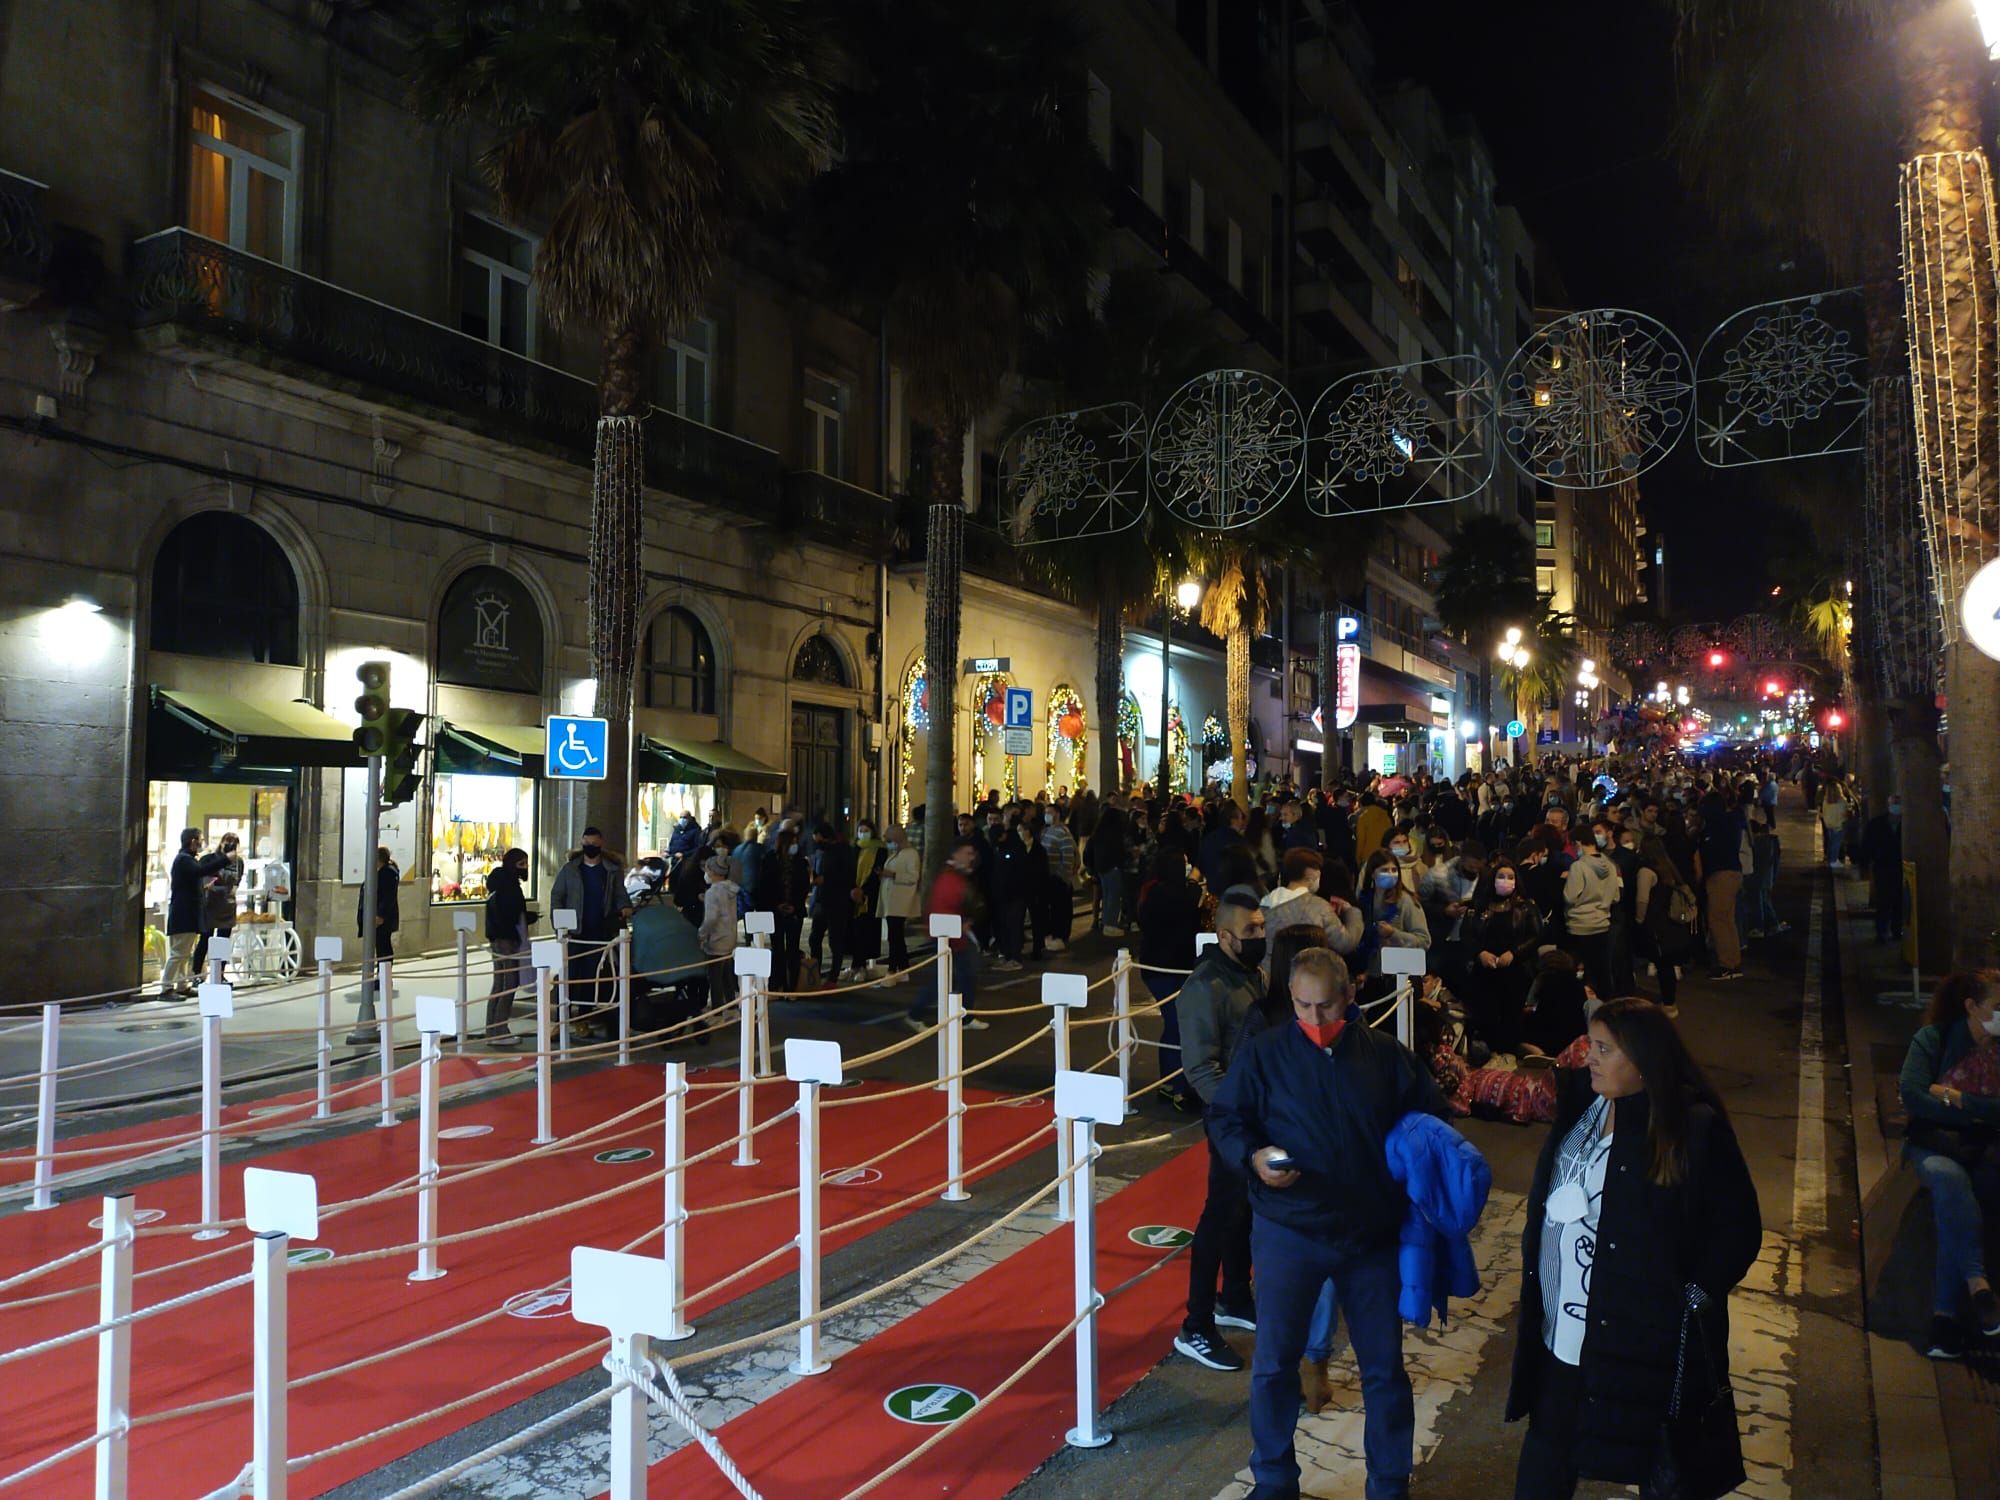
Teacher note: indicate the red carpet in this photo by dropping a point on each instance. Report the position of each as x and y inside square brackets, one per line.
[343, 1312]
[825, 1435]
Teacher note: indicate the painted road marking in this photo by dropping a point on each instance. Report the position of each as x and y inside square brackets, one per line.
[622, 1155]
[852, 1177]
[929, 1405]
[1160, 1236]
[543, 1302]
[463, 1132]
[308, 1255]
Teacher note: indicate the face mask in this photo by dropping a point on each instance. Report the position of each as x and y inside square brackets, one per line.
[868, 833]
[1386, 880]
[592, 853]
[1991, 1025]
[1322, 1034]
[1250, 952]
[1401, 851]
[1600, 839]
[1503, 887]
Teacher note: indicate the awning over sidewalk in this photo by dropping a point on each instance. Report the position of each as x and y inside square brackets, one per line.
[487, 749]
[704, 763]
[192, 733]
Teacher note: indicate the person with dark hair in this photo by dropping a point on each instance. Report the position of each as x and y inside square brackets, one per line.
[1505, 934]
[1642, 1219]
[1663, 916]
[835, 891]
[1307, 896]
[1590, 903]
[1225, 986]
[1275, 1009]
[185, 877]
[388, 916]
[507, 935]
[1390, 917]
[1950, 1087]
[1720, 865]
[954, 892]
[1169, 917]
[1226, 835]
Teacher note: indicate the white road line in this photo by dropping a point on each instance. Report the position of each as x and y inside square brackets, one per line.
[1809, 1154]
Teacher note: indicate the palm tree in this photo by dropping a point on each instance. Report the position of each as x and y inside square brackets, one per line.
[635, 130]
[1548, 635]
[967, 206]
[1485, 584]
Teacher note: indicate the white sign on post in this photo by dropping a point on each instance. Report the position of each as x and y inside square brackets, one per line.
[399, 829]
[1071, 990]
[765, 922]
[1098, 1097]
[624, 1293]
[281, 1203]
[753, 962]
[1018, 732]
[438, 1013]
[546, 953]
[217, 1000]
[465, 921]
[812, 1062]
[563, 920]
[946, 924]
[1402, 961]
[331, 949]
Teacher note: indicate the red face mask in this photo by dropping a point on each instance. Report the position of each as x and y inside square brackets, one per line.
[1323, 1034]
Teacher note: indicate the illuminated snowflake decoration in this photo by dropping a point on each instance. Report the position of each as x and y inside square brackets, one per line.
[1226, 448]
[1783, 380]
[1595, 398]
[1074, 475]
[1418, 434]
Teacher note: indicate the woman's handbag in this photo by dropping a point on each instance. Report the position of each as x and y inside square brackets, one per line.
[1700, 1451]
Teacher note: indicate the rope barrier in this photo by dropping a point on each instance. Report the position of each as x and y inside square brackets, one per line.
[96, 1247]
[76, 1335]
[847, 989]
[62, 1454]
[673, 1401]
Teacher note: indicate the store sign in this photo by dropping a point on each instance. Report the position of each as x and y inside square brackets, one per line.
[490, 633]
[979, 664]
[1346, 685]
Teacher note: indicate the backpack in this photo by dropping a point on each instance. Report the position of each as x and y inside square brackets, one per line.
[1680, 904]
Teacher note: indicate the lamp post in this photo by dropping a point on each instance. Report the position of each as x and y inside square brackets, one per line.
[1512, 653]
[1586, 689]
[1187, 594]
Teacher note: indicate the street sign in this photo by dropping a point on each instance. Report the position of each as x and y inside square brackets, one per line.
[1160, 1236]
[989, 664]
[1979, 610]
[576, 748]
[1019, 731]
[929, 1405]
[1515, 729]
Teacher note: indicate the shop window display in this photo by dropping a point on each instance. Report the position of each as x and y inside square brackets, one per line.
[474, 821]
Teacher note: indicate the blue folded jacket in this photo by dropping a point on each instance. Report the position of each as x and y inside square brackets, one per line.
[1447, 1181]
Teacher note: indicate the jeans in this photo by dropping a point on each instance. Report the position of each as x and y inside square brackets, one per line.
[1961, 1252]
[1007, 917]
[1111, 897]
[510, 971]
[1723, 887]
[1162, 987]
[1221, 1244]
[1648, 946]
[964, 983]
[1319, 1334]
[1547, 1470]
[1833, 841]
[1292, 1269]
[1763, 911]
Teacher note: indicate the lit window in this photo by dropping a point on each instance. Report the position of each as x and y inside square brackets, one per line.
[496, 296]
[691, 379]
[1545, 533]
[1545, 580]
[243, 176]
[826, 412]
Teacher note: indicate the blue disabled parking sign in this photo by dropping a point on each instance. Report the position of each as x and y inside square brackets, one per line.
[576, 748]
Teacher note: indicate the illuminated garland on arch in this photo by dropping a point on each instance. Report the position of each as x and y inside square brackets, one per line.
[1064, 701]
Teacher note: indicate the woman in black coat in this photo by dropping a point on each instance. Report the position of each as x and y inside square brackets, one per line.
[1642, 1207]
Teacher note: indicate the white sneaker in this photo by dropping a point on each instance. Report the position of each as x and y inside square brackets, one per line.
[973, 1023]
[1057, 945]
[1114, 932]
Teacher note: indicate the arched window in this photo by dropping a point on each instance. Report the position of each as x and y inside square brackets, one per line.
[490, 633]
[680, 663]
[818, 661]
[222, 586]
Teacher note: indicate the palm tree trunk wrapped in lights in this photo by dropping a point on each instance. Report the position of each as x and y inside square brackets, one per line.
[617, 591]
[944, 577]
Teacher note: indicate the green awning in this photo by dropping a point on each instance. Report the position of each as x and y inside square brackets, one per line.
[487, 749]
[186, 728]
[704, 763]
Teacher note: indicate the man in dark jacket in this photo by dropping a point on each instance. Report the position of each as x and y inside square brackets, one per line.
[1226, 984]
[387, 917]
[1305, 1113]
[1106, 856]
[1882, 847]
[1225, 835]
[834, 896]
[184, 881]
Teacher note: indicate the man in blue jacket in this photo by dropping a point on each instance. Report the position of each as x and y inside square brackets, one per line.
[1305, 1113]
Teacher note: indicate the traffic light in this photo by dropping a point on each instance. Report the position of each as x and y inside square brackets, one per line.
[399, 759]
[371, 735]
[1716, 658]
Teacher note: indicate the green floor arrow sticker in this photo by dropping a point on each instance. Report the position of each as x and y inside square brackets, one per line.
[1160, 1236]
[929, 1405]
[622, 1154]
[308, 1255]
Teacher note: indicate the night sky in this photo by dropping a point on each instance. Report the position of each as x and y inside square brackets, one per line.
[1576, 99]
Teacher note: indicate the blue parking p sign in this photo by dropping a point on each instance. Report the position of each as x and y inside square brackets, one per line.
[576, 748]
[1020, 708]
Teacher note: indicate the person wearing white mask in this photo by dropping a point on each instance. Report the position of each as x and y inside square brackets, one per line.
[1300, 901]
[1950, 1087]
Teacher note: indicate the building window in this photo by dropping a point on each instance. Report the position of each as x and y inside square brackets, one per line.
[496, 297]
[223, 587]
[690, 375]
[819, 661]
[1545, 533]
[1234, 267]
[1152, 172]
[826, 411]
[680, 664]
[243, 176]
[1545, 580]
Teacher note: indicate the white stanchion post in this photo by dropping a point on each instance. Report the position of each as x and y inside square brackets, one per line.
[218, 957]
[564, 923]
[1407, 964]
[673, 1248]
[761, 926]
[1121, 1007]
[45, 1108]
[1083, 1102]
[327, 951]
[753, 972]
[812, 1066]
[944, 927]
[436, 1015]
[386, 1042]
[114, 1347]
[463, 924]
[955, 1101]
[623, 1294]
[278, 1207]
[544, 953]
[624, 957]
[1063, 993]
[218, 1002]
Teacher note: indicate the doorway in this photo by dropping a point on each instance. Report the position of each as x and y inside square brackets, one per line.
[819, 761]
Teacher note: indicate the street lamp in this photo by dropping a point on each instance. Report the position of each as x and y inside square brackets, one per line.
[1187, 593]
[1988, 12]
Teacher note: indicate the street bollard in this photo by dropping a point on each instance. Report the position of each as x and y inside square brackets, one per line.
[564, 923]
[623, 944]
[327, 951]
[218, 957]
[385, 1036]
[114, 1347]
[1121, 1007]
[752, 965]
[278, 1207]
[218, 1001]
[436, 1015]
[45, 1108]
[673, 1246]
[954, 1101]
[812, 1066]
[1404, 963]
[544, 953]
[944, 927]
[463, 923]
[1083, 1102]
[1063, 993]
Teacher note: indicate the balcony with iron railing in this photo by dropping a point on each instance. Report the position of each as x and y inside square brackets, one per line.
[187, 289]
[25, 241]
[846, 514]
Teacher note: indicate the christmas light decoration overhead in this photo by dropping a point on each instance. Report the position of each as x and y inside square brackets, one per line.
[1076, 474]
[1783, 380]
[1595, 398]
[1226, 448]
[1418, 434]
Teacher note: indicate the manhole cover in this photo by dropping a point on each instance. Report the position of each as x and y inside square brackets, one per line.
[139, 1026]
